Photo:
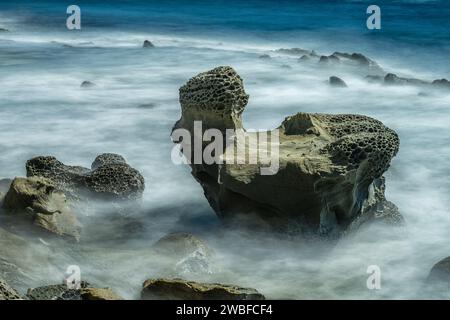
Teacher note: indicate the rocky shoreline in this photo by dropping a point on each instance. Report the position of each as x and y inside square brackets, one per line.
[330, 182]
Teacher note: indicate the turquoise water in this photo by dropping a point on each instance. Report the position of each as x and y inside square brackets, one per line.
[131, 111]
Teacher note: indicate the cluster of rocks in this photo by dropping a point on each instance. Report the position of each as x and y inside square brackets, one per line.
[46, 195]
[330, 175]
[185, 249]
[393, 79]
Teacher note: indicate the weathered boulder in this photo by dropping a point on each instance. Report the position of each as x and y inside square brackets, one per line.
[337, 82]
[321, 171]
[38, 198]
[99, 294]
[442, 83]
[440, 272]
[296, 51]
[87, 84]
[62, 292]
[148, 44]
[393, 79]
[264, 57]
[185, 253]
[8, 293]
[178, 289]
[374, 79]
[331, 59]
[111, 178]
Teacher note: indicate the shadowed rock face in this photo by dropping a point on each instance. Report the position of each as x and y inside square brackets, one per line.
[178, 289]
[330, 166]
[111, 178]
[37, 198]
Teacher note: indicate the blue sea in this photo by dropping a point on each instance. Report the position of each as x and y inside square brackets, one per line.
[132, 108]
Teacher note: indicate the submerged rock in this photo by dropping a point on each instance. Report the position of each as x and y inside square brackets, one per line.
[99, 294]
[62, 292]
[437, 284]
[8, 293]
[111, 178]
[337, 82]
[185, 253]
[87, 84]
[443, 83]
[440, 272]
[329, 59]
[178, 289]
[264, 57]
[393, 79]
[148, 44]
[374, 79]
[296, 51]
[38, 198]
[320, 173]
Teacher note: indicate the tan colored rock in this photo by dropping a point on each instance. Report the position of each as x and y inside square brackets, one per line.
[38, 198]
[99, 294]
[327, 163]
[178, 289]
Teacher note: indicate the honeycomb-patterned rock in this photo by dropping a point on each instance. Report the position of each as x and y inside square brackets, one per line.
[107, 158]
[220, 90]
[110, 178]
[8, 293]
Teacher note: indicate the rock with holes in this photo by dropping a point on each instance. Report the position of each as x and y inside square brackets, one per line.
[38, 199]
[8, 293]
[110, 177]
[178, 289]
[62, 292]
[320, 169]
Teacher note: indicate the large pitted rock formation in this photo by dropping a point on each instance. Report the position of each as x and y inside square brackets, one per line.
[110, 177]
[178, 289]
[330, 166]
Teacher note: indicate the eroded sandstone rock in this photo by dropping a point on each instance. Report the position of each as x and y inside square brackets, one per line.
[8, 293]
[38, 198]
[62, 292]
[99, 294]
[111, 178]
[327, 163]
[178, 289]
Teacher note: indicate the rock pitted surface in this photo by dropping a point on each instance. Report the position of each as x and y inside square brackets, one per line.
[39, 199]
[62, 292]
[110, 178]
[178, 289]
[8, 293]
[327, 163]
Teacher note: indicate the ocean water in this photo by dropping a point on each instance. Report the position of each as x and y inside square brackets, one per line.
[43, 111]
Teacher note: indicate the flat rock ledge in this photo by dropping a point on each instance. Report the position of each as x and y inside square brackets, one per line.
[178, 289]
